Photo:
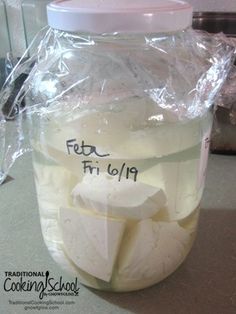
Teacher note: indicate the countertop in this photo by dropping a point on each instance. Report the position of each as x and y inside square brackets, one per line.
[204, 284]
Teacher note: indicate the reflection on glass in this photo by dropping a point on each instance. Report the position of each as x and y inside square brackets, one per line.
[5, 46]
[34, 16]
[4, 32]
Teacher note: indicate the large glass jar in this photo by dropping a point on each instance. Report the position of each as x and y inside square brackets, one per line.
[119, 104]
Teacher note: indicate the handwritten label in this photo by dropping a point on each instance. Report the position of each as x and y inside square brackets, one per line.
[85, 150]
[123, 171]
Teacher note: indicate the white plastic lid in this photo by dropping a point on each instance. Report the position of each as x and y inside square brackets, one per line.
[119, 16]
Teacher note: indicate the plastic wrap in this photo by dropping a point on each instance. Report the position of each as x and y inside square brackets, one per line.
[181, 73]
[119, 126]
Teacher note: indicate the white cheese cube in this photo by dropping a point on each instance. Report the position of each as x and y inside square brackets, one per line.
[59, 256]
[53, 186]
[126, 199]
[91, 241]
[180, 186]
[178, 178]
[151, 251]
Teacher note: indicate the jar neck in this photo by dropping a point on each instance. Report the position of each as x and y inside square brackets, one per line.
[117, 38]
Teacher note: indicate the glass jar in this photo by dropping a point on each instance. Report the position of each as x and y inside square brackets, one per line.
[119, 103]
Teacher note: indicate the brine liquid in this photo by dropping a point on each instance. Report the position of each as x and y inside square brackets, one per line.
[147, 249]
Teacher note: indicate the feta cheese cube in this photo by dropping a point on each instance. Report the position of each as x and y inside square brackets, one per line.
[91, 241]
[151, 251]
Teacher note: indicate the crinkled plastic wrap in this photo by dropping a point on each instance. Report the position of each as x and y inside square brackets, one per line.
[119, 126]
[180, 73]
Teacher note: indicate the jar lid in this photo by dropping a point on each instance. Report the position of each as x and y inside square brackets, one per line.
[119, 16]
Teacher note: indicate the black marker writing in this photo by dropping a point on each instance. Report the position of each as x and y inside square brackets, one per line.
[129, 172]
[87, 166]
[83, 149]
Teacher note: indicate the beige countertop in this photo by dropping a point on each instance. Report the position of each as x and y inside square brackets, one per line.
[204, 284]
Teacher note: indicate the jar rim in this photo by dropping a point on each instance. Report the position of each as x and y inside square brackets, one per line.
[108, 16]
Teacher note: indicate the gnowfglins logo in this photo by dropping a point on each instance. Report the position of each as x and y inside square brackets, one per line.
[40, 282]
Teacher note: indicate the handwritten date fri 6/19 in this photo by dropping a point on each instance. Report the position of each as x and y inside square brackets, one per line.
[92, 167]
[120, 172]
